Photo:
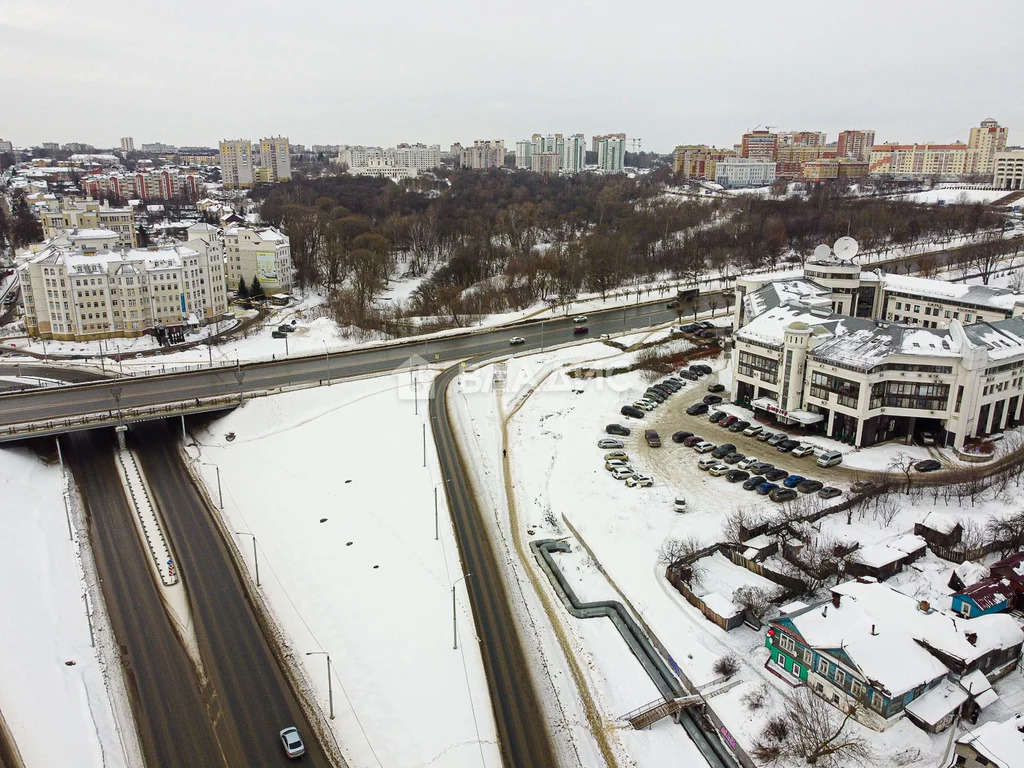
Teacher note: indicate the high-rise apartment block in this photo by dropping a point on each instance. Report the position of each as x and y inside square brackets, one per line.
[236, 163]
[6, 146]
[421, 157]
[275, 160]
[611, 150]
[546, 162]
[484, 154]
[574, 153]
[855, 144]
[524, 151]
[985, 140]
[163, 184]
[697, 161]
[127, 144]
[918, 160]
[801, 139]
[760, 145]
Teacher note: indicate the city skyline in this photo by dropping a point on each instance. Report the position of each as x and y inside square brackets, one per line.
[467, 72]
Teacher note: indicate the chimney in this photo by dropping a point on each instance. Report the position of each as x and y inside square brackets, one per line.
[873, 633]
[836, 597]
[972, 637]
[924, 606]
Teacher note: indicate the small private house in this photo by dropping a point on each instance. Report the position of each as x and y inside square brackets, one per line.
[998, 745]
[987, 596]
[875, 647]
[881, 561]
[1011, 571]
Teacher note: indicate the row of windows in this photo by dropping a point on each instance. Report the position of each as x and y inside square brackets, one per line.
[767, 368]
[822, 384]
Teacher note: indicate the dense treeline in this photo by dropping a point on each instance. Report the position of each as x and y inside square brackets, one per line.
[498, 241]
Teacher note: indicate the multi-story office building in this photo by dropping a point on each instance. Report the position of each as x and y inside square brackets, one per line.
[983, 144]
[697, 161]
[744, 172]
[383, 167]
[574, 153]
[855, 144]
[90, 214]
[264, 253]
[127, 144]
[611, 151]
[484, 154]
[236, 163]
[918, 160]
[1008, 169]
[74, 291]
[867, 357]
[275, 160]
[546, 162]
[760, 145]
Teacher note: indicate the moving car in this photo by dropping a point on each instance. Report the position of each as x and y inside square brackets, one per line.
[579, 329]
[616, 456]
[292, 742]
[638, 480]
[723, 449]
[608, 443]
[633, 411]
[802, 450]
[788, 445]
[829, 492]
[810, 486]
[776, 474]
[782, 494]
[580, 319]
[705, 447]
[617, 429]
[286, 328]
[863, 486]
[679, 505]
[707, 463]
[738, 426]
[712, 399]
[517, 340]
[697, 408]
[692, 440]
[928, 465]
[829, 459]
[653, 438]
[716, 388]
[753, 482]
[793, 481]
[719, 469]
[753, 430]
[678, 437]
[765, 488]
[737, 475]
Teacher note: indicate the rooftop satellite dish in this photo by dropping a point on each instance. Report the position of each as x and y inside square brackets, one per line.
[846, 248]
[822, 252]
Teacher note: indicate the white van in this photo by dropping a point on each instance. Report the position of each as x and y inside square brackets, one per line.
[830, 459]
[679, 505]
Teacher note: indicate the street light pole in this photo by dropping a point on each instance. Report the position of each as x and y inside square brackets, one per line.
[240, 375]
[330, 688]
[455, 626]
[220, 496]
[255, 555]
[328, 353]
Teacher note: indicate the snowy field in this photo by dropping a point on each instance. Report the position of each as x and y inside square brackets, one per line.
[955, 196]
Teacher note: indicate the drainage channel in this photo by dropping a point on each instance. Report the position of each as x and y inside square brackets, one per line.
[667, 683]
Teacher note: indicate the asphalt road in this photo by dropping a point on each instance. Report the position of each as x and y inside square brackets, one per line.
[248, 697]
[522, 729]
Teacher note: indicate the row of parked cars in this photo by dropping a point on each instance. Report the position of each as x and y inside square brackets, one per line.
[702, 329]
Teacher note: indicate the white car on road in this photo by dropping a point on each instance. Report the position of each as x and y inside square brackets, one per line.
[580, 319]
[517, 340]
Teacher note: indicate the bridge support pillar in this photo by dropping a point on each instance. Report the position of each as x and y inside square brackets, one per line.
[120, 429]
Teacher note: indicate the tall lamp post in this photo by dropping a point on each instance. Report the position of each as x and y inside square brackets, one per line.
[220, 496]
[240, 375]
[328, 353]
[455, 626]
[330, 689]
[115, 392]
[255, 555]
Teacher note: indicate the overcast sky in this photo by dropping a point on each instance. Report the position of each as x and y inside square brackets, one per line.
[668, 71]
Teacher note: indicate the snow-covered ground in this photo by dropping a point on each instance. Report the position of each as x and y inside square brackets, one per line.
[955, 196]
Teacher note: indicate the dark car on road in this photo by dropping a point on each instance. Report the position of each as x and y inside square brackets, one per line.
[617, 429]
[810, 486]
[765, 488]
[928, 465]
[753, 482]
[692, 440]
[732, 458]
[829, 492]
[653, 438]
[580, 329]
[717, 416]
[678, 437]
[787, 445]
[736, 475]
[697, 370]
[631, 410]
[776, 474]
[782, 494]
[723, 449]
[712, 399]
[697, 408]
[739, 426]
[716, 388]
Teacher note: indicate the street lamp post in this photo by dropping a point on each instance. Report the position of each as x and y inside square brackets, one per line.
[455, 626]
[255, 555]
[330, 688]
[240, 375]
[220, 496]
[328, 353]
[115, 392]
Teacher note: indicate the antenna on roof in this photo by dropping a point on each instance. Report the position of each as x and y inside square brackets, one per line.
[822, 252]
[845, 248]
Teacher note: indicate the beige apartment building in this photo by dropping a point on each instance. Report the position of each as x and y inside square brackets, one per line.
[1008, 169]
[697, 161]
[483, 154]
[984, 142]
[264, 253]
[275, 160]
[90, 214]
[918, 160]
[236, 164]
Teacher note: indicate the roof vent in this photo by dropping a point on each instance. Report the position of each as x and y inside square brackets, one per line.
[924, 606]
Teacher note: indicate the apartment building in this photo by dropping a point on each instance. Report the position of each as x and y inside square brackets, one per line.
[158, 148]
[790, 158]
[275, 160]
[90, 214]
[74, 292]
[611, 151]
[127, 144]
[354, 156]
[6, 146]
[419, 157]
[1008, 169]
[868, 357]
[909, 161]
[759, 145]
[264, 253]
[733, 172]
[802, 139]
[697, 161]
[236, 163]
[483, 155]
[546, 162]
[162, 184]
[855, 144]
[574, 153]
[524, 151]
[983, 144]
[833, 168]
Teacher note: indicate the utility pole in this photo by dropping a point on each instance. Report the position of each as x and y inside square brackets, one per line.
[455, 626]
[255, 554]
[330, 690]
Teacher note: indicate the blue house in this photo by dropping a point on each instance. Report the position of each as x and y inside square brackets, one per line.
[987, 596]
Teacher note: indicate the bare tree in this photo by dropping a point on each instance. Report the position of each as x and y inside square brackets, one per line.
[754, 600]
[736, 523]
[1008, 532]
[902, 463]
[814, 732]
[678, 553]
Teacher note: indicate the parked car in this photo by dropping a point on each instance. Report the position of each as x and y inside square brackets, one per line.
[723, 449]
[928, 465]
[705, 447]
[692, 440]
[678, 437]
[748, 462]
[863, 486]
[737, 475]
[716, 387]
[706, 324]
[739, 426]
[707, 463]
[612, 464]
[728, 421]
[765, 436]
[656, 395]
[679, 505]
[697, 408]
[775, 474]
[697, 370]
[653, 438]
[802, 450]
[788, 445]
[782, 494]
[732, 458]
[927, 438]
[617, 429]
[517, 340]
[633, 411]
[761, 467]
[278, 335]
[608, 443]
[687, 375]
[292, 742]
[705, 334]
[829, 492]
[793, 481]
[765, 488]
[753, 430]
[579, 329]
[712, 399]
[286, 328]
[580, 319]
[829, 459]
[616, 456]
[621, 473]
[777, 438]
[810, 486]
[643, 405]
[718, 470]
[753, 482]
[638, 480]
[717, 416]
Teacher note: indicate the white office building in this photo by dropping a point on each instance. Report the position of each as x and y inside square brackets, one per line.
[383, 167]
[732, 172]
[264, 253]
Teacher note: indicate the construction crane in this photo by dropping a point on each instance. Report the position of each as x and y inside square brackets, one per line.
[636, 144]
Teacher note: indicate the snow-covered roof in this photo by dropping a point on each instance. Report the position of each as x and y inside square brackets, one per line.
[978, 686]
[1012, 568]
[939, 702]
[976, 295]
[784, 291]
[871, 344]
[770, 326]
[971, 573]
[92, 234]
[1002, 338]
[878, 555]
[988, 593]
[940, 521]
[1001, 743]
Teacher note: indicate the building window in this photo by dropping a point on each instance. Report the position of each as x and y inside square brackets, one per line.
[840, 677]
[808, 657]
[786, 643]
[857, 690]
[795, 670]
[822, 667]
